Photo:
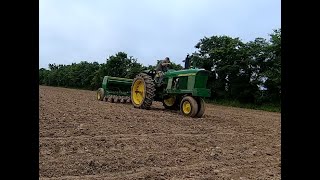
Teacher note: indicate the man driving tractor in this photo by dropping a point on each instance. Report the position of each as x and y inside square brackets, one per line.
[161, 68]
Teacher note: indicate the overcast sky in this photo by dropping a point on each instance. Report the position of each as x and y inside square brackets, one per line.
[92, 30]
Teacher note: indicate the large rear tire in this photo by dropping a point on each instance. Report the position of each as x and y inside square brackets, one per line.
[142, 91]
[189, 106]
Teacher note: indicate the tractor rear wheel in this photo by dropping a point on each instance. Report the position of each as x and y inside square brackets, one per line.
[100, 94]
[201, 109]
[142, 91]
[189, 106]
[170, 102]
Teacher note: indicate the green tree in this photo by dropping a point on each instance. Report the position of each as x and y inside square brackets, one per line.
[118, 65]
[175, 66]
[43, 76]
[226, 58]
[272, 67]
[134, 68]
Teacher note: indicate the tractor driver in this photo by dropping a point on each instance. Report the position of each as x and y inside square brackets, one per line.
[161, 68]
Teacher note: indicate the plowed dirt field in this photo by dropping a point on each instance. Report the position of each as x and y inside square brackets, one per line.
[83, 138]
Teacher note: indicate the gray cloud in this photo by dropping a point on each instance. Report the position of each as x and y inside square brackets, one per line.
[76, 30]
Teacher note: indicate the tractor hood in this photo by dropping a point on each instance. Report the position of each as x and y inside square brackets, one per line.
[186, 72]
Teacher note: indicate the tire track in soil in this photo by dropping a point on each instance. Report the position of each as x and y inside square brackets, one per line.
[82, 138]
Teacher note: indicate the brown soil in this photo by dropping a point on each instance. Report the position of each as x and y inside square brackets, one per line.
[83, 138]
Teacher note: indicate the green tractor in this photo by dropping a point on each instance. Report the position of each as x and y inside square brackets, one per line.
[178, 90]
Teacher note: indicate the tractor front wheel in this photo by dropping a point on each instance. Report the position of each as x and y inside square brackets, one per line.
[201, 108]
[189, 106]
[170, 102]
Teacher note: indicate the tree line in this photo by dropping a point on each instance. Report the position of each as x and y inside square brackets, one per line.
[89, 75]
[249, 72]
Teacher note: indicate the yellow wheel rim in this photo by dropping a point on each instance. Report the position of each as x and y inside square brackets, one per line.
[98, 96]
[138, 92]
[170, 101]
[186, 107]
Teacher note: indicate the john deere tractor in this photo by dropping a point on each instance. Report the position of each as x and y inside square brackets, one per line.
[178, 90]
